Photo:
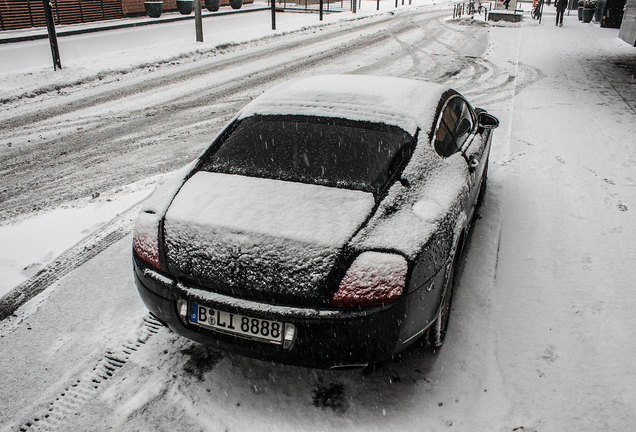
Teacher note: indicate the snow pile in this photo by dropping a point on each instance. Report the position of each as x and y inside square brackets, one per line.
[30, 245]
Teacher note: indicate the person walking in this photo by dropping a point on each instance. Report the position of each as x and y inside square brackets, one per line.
[560, 8]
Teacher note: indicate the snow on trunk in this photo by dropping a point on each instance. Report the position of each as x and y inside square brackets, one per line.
[261, 235]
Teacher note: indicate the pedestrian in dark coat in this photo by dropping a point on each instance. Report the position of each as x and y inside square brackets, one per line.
[560, 7]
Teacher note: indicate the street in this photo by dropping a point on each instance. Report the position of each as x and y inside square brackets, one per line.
[540, 336]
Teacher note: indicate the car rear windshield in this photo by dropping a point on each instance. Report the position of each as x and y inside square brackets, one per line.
[317, 150]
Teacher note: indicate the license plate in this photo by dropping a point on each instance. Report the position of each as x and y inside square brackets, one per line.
[239, 325]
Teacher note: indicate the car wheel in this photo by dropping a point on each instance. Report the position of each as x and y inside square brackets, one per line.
[438, 332]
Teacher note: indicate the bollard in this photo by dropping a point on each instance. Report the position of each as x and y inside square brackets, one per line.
[50, 26]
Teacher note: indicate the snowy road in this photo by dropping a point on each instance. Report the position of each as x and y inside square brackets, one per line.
[157, 119]
[540, 334]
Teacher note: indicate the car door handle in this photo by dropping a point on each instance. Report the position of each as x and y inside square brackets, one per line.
[473, 163]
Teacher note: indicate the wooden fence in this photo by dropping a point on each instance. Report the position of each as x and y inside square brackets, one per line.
[15, 14]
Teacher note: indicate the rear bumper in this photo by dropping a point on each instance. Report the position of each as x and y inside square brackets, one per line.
[324, 338]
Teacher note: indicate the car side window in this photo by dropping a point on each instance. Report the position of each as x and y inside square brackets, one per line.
[455, 125]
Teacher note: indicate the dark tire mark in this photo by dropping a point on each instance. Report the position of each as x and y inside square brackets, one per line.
[329, 395]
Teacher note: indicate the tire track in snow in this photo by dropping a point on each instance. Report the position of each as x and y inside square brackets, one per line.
[71, 399]
[181, 75]
[436, 56]
[431, 30]
[69, 261]
[63, 167]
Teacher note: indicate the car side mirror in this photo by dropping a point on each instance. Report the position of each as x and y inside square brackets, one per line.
[487, 121]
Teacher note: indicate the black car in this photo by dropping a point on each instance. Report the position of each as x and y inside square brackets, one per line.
[321, 226]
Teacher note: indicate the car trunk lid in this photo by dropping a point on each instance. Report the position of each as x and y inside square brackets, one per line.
[261, 238]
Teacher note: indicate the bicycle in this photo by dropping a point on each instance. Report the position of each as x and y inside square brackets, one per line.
[472, 9]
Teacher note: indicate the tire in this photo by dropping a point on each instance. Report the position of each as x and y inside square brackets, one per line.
[438, 331]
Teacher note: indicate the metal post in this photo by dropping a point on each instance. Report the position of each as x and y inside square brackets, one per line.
[396, 3]
[31, 13]
[273, 14]
[378, 8]
[321, 6]
[198, 22]
[354, 3]
[50, 26]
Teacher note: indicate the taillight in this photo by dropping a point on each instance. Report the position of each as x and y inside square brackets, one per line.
[146, 238]
[374, 278]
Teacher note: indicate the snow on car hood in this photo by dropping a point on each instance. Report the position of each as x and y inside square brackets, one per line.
[261, 235]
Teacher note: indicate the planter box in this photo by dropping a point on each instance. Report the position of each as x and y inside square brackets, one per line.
[213, 5]
[587, 15]
[154, 8]
[185, 7]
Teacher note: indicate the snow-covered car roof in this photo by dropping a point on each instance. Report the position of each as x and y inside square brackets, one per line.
[406, 103]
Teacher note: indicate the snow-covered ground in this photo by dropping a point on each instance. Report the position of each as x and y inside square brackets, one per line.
[540, 337]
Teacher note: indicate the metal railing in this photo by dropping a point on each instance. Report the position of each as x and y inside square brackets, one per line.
[314, 5]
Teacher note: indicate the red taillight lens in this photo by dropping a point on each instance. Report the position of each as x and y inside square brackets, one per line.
[374, 278]
[146, 238]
